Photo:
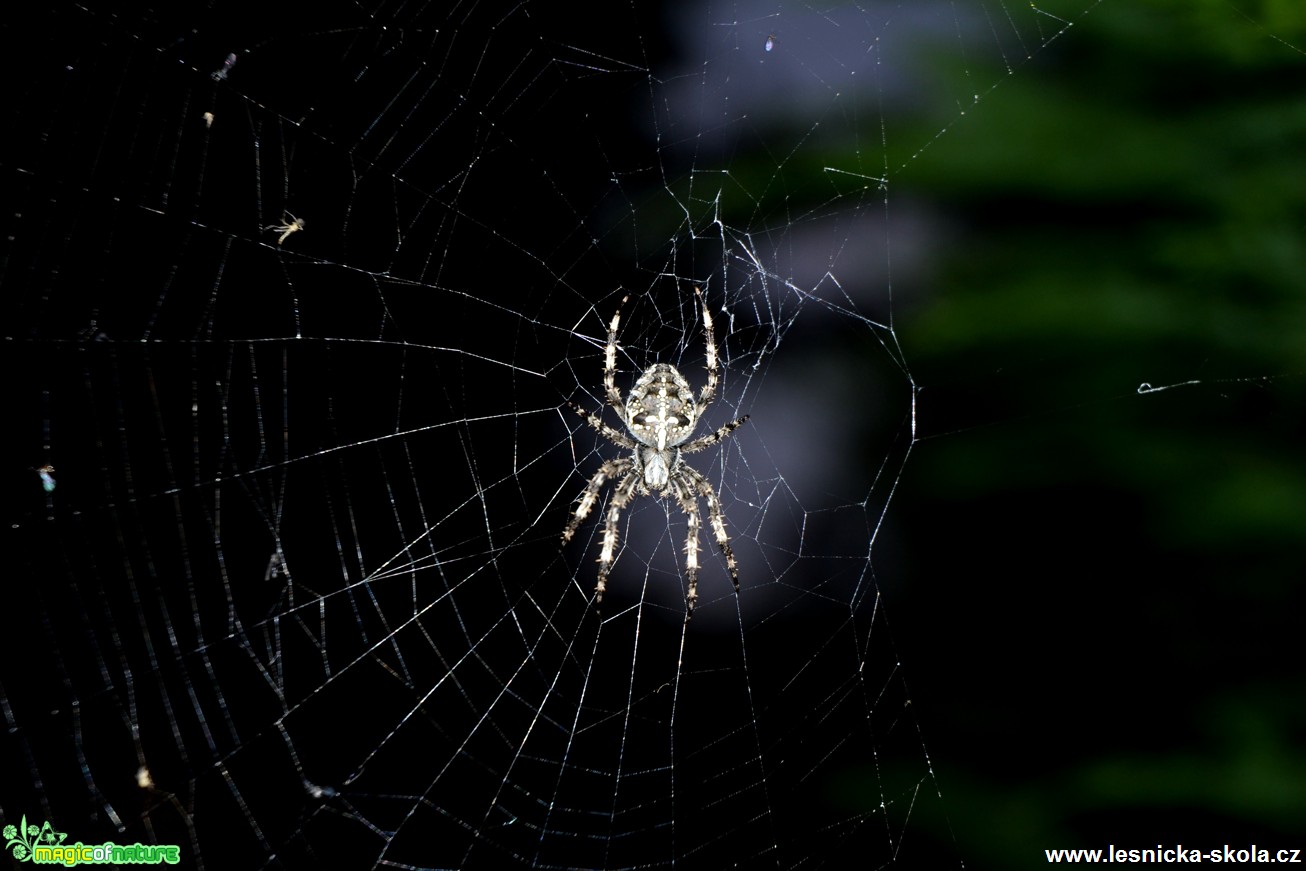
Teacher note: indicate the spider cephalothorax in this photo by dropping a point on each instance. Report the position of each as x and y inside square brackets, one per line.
[660, 415]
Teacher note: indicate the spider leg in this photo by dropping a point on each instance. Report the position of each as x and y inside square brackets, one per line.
[709, 389]
[689, 504]
[716, 517]
[713, 437]
[621, 496]
[590, 495]
[610, 364]
[606, 431]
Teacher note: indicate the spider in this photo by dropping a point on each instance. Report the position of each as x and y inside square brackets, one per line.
[660, 416]
[289, 224]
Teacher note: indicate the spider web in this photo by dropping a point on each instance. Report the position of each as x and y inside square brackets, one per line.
[298, 593]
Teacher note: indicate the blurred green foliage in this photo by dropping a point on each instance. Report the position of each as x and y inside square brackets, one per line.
[1134, 212]
[1116, 619]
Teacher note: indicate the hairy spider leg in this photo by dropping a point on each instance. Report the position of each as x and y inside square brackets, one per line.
[689, 504]
[585, 503]
[713, 437]
[610, 364]
[709, 389]
[621, 496]
[716, 517]
[606, 431]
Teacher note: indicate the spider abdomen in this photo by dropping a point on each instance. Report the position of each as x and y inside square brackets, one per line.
[661, 411]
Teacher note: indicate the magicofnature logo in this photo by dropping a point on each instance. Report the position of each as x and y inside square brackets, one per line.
[42, 845]
[23, 839]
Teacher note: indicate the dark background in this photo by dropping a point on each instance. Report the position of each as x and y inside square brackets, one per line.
[1122, 585]
[1080, 615]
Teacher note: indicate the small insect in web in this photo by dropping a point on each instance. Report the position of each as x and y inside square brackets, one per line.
[276, 566]
[289, 224]
[659, 415]
[46, 473]
[219, 75]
